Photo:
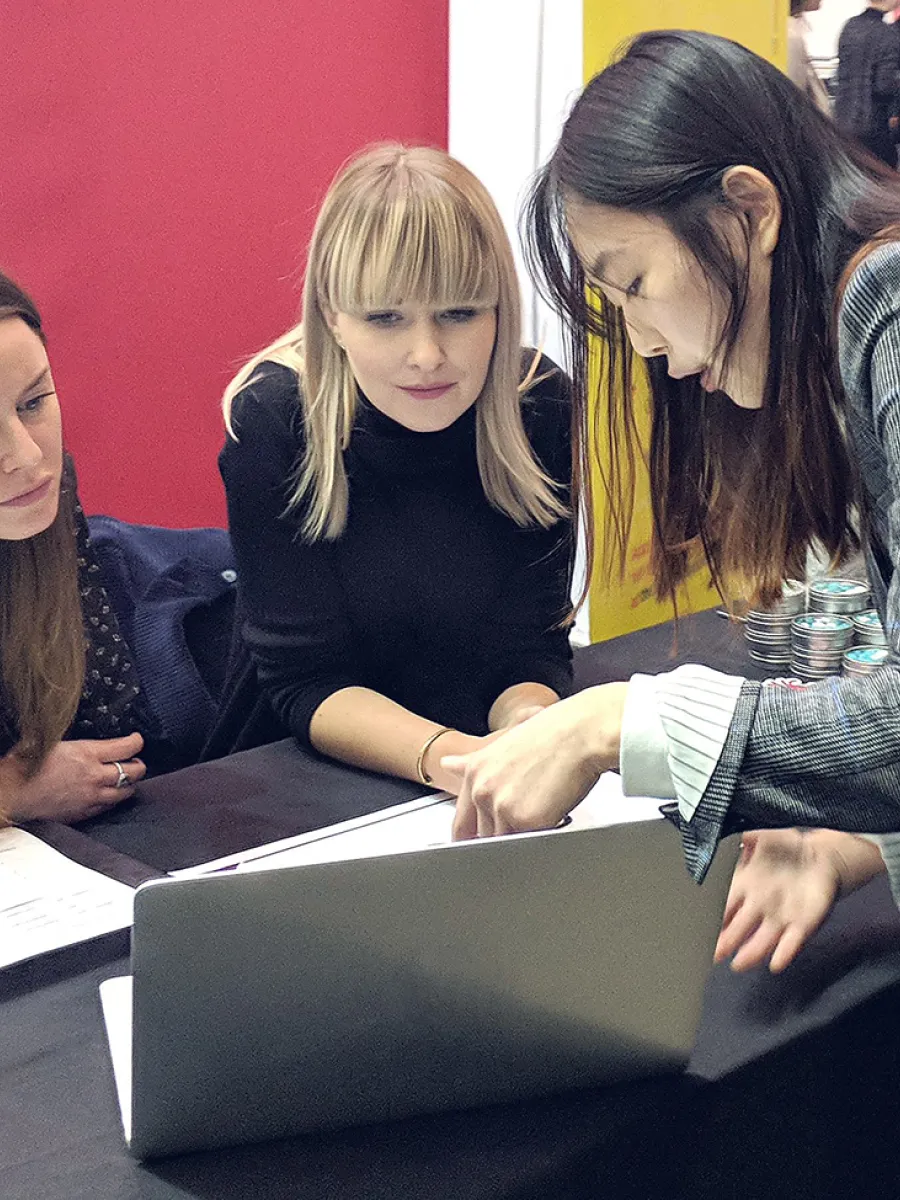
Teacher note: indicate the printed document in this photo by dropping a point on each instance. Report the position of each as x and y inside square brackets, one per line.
[47, 901]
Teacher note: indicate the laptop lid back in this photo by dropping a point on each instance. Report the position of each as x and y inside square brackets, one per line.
[312, 997]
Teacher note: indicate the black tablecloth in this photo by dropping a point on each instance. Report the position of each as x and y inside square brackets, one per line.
[793, 1083]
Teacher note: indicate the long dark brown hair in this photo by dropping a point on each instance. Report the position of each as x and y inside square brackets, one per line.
[42, 640]
[655, 134]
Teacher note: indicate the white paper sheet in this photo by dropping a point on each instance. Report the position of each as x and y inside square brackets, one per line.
[47, 901]
[116, 999]
[416, 825]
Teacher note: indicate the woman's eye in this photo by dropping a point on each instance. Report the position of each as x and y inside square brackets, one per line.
[384, 319]
[459, 315]
[33, 405]
[634, 288]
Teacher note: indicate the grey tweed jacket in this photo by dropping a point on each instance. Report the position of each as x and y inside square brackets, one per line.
[828, 754]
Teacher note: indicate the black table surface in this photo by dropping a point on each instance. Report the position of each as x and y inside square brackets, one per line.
[792, 1089]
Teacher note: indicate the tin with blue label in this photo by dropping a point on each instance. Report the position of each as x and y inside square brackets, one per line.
[863, 660]
[839, 596]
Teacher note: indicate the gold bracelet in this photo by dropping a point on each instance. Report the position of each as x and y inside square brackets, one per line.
[421, 773]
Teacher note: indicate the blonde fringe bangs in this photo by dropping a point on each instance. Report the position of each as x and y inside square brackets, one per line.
[405, 245]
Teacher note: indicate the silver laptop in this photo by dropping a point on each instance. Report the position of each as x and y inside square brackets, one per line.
[285, 1001]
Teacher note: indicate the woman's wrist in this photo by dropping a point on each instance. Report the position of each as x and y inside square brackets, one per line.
[452, 741]
[423, 773]
[855, 860]
[598, 719]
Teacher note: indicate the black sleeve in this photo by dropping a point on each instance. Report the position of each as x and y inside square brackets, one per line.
[530, 616]
[293, 605]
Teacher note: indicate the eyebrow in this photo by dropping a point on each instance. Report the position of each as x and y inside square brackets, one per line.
[39, 378]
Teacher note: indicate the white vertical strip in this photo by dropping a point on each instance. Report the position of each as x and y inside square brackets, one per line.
[494, 58]
[515, 67]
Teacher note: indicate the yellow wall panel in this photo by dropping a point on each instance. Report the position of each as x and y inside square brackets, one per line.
[616, 606]
[759, 24]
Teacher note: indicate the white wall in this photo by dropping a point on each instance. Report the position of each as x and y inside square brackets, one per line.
[515, 68]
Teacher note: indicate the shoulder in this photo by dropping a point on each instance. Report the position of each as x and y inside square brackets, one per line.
[269, 401]
[852, 28]
[266, 418]
[267, 429]
[868, 321]
[872, 292]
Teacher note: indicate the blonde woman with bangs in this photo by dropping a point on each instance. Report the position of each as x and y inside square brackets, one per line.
[396, 469]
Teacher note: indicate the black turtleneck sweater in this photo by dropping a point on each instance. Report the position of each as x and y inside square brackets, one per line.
[430, 596]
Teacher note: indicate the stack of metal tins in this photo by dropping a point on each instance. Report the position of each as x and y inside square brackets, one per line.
[870, 649]
[768, 631]
[818, 642]
[819, 639]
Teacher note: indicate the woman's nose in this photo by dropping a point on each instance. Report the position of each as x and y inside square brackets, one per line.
[426, 350]
[644, 342]
[18, 449]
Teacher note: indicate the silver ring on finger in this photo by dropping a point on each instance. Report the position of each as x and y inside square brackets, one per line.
[123, 781]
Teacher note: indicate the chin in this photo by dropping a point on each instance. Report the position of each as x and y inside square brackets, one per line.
[741, 395]
[22, 526]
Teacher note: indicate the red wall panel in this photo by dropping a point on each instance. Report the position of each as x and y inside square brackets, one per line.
[161, 167]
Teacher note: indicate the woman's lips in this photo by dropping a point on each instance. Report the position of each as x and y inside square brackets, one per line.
[429, 393]
[24, 499]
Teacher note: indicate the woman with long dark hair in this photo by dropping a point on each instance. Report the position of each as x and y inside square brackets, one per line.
[68, 688]
[700, 212]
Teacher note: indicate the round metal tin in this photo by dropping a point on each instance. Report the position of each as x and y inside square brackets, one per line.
[839, 596]
[863, 660]
[868, 629]
[821, 631]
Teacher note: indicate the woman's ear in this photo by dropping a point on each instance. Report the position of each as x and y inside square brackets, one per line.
[331, 321]
[754, 194]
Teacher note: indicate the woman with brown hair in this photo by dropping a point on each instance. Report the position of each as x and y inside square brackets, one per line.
[699, 213]
[397, 469]
[68, 689]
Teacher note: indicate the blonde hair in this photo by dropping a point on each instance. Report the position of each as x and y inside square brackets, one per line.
[405, 225]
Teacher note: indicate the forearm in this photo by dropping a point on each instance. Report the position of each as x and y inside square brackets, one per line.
[826, 755]
[509, 707]
[366, 729]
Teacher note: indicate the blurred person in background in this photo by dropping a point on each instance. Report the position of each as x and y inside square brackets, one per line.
[868, 80]
[799, 68]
